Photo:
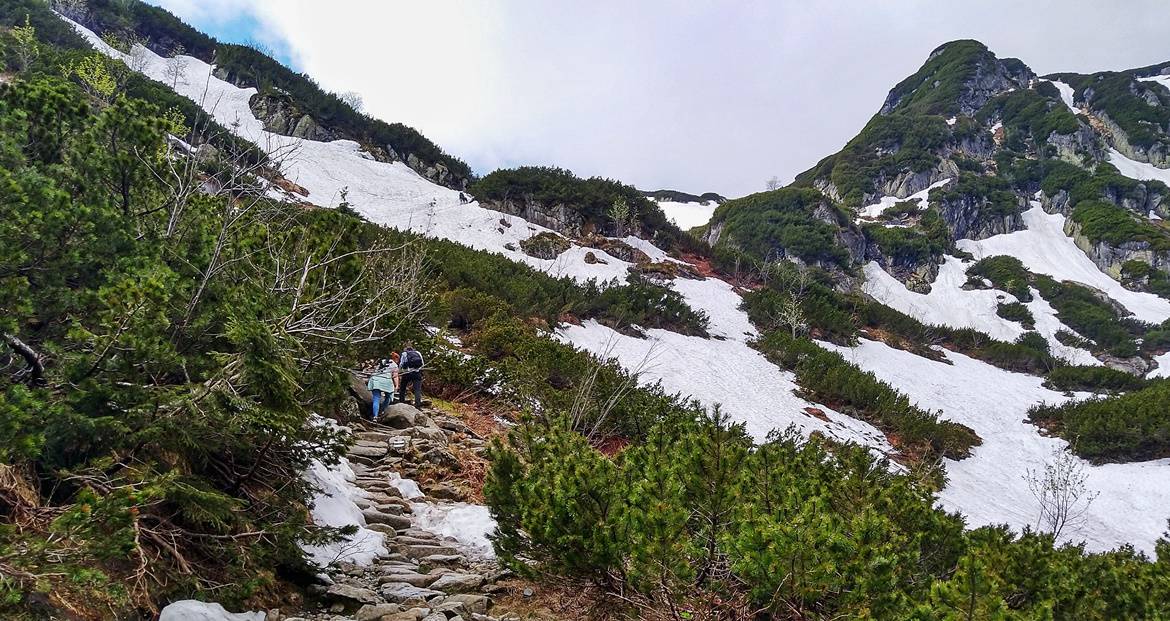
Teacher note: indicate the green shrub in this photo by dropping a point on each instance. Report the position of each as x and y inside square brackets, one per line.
[1093, 379]
[1015, 311]
[1006, 273]
[993, 194]
[925, 242]
[828, 377]
[886, 146]
[699, 520]
[592, 199]
[783, 222]
[1120, 96]
[1142, 276]
[1079, 308]
[1130, 427]
[1031, 115]
[1101, 221]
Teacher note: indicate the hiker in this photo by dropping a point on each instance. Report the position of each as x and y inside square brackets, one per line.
[411, 365]
[383, 383]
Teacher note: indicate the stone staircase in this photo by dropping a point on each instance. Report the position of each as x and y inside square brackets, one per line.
[425, 577]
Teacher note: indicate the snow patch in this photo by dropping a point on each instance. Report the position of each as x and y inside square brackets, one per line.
[871, 212]
[333, 505]
[688, 215]
[948, 304]
[1163, 369]
[469, 525]
[407, 487]
[1066, 95]
[192, 610]
[1138, 170]
[951, 121]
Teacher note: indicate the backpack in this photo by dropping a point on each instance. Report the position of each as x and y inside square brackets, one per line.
[411, 360]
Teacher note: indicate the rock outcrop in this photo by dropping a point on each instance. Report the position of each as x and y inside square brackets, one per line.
[1110, 258]
[281, 115]
[560, 217]
[968, 218]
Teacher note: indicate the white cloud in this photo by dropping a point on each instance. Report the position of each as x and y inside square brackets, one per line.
[700, 96]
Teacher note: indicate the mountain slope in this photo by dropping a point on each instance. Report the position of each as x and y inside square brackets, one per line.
[791, 320]
[974, 207]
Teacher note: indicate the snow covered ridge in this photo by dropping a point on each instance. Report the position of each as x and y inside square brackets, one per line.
[987, 487]
[391, 194]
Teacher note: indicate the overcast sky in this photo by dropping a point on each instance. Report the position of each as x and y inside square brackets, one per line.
[696, 96]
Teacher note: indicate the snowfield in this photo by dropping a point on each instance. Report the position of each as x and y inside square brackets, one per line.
[725, 371]
[1045, 249]
[948, 304]
[990, 486]
[688, 215]
[385, 193]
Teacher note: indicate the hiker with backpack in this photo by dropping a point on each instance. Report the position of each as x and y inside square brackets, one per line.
[383, 383]
[410, 369]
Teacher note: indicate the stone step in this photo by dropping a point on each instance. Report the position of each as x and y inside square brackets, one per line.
[377, 517]
[411, 578]
[421, 551]
[407, 594]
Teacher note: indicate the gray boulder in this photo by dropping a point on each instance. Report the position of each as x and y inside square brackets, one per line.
[374, 612]
[407, 594]
[353, 594]
[454, 582]
[400, 416]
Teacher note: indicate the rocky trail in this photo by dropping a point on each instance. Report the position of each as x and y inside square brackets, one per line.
[425, 576]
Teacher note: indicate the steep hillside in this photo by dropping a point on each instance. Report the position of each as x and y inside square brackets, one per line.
[288, 103]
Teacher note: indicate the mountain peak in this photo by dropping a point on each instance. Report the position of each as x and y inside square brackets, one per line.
[957, 78]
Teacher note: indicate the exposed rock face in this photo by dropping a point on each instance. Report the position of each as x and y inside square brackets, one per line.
[281, 115]
[437, 172]
[1057, 203]
[1077, 147]
[852, 239]
[1157, 154]
[917, 277]
[907, 182]
[967, 218]
[1110, 258]
[714, 232]
[1142, 201]
[1134, 366]
[560, 217]
[615, 248]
